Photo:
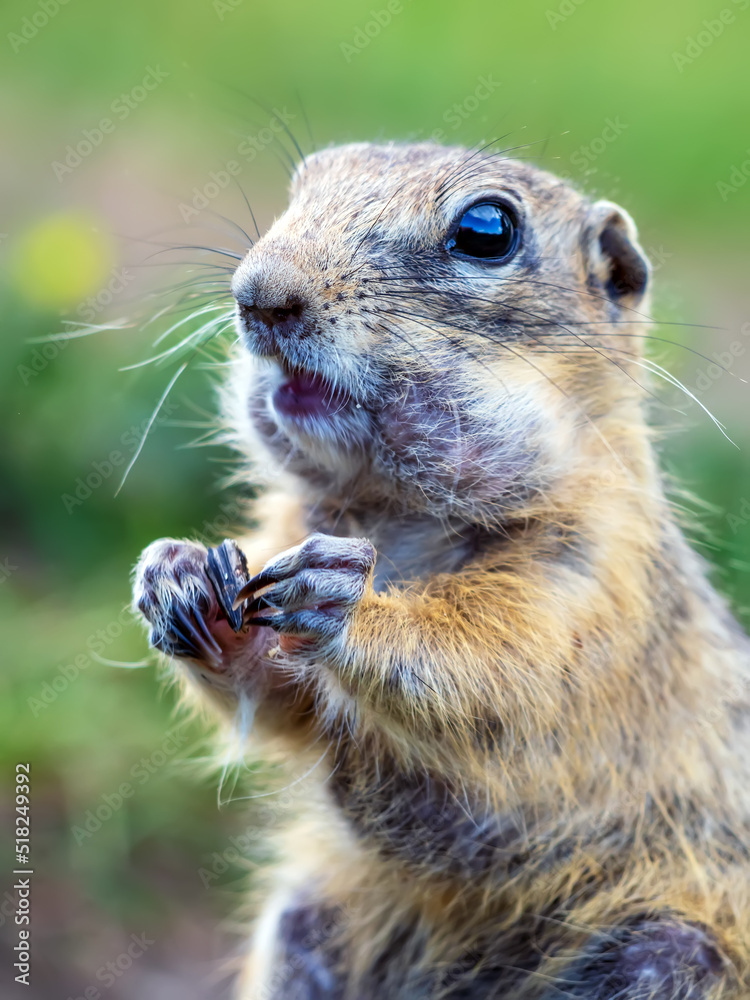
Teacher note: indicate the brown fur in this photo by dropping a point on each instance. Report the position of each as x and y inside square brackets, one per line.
[527, 748]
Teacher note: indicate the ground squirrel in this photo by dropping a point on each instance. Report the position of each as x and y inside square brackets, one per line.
[516, 710]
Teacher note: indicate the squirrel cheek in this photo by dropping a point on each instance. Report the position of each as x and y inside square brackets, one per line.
[472, 463]
[469, 458]
[482, 471]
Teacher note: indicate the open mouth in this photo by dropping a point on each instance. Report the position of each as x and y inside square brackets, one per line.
[302, 393]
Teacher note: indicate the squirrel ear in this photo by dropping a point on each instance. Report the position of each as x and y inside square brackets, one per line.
[614, 257]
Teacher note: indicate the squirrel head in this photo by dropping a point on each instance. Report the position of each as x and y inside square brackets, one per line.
[438, 328]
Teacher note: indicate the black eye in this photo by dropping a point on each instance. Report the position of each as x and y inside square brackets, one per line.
[486, 230]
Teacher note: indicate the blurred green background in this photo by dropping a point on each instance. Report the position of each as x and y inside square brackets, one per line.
[118, 121]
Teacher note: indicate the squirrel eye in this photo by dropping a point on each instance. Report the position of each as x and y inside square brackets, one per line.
[487, 230]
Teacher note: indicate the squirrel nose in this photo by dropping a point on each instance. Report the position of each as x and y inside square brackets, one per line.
[273, 301]
[278, 316]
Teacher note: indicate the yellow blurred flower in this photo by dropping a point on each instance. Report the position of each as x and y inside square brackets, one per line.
[61, 260]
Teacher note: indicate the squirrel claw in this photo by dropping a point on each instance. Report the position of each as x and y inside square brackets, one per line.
[312, 588]
[195, 639]
[257, 582]
[226, 568]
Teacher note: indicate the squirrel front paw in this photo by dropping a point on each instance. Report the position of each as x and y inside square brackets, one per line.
[175, 591]
[311, 590]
